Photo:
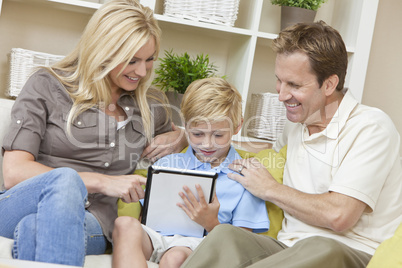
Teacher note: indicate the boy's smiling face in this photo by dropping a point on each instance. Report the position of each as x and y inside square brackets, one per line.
[210, 141]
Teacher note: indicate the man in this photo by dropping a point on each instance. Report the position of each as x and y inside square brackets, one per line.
[342, 183]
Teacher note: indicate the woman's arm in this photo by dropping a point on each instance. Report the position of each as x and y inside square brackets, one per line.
[167, 143]
[19, 166]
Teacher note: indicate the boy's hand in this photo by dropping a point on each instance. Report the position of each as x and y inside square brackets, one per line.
[203, 213]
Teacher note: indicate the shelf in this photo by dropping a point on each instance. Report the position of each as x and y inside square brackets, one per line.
[83, 6]
[89, 7]
[202, 25]
[78, 3]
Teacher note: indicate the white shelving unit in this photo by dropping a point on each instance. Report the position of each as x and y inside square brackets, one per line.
[243, 52]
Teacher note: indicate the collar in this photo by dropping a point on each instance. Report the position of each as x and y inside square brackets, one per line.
[222, 168]
[128, 102]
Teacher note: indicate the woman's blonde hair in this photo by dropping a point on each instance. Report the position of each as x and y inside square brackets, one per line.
[212, 99]
[114, 34]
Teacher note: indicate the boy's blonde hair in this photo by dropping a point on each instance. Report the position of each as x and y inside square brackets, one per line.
[212, 99]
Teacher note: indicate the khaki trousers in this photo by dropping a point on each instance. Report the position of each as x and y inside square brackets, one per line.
[232, 247]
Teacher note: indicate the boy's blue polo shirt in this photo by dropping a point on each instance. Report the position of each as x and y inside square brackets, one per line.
[237, 206]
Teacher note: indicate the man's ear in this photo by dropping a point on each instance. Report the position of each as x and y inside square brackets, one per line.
[238, 127]
[330, 84]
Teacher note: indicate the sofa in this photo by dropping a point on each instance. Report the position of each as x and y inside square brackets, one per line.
[387, 254]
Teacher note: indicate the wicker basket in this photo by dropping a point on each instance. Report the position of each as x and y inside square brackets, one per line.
[222, 12]
[23, 63]
[267, 116]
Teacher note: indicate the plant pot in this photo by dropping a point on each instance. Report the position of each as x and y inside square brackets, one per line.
[175, 101]
[293, 15]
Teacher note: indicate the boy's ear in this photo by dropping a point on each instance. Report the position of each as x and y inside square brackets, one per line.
[238, 127]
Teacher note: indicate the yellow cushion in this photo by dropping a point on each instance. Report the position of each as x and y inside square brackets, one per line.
[388, 253]
[272, 160]
[131, 209]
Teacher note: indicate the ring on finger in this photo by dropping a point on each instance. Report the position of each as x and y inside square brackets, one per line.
[240, 169]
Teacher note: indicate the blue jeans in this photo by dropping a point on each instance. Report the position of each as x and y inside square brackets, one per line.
[46, 217]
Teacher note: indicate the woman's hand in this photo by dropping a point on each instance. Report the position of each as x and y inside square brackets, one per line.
[203, 213]
[126, 187]
[166, 143]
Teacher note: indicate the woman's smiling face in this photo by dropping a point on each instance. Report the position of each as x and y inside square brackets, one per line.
[138, 67]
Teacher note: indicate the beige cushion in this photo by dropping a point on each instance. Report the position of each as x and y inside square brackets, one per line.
[5, 111]
[91, 261]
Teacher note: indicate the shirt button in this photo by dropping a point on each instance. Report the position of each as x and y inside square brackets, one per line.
[79, 123]
[112, 144]
[18, 121]
[107, 164]
[126, 108]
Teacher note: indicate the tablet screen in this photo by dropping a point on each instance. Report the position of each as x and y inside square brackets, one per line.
[160, 211]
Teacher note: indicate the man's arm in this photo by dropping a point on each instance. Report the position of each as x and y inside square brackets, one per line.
[331, 210]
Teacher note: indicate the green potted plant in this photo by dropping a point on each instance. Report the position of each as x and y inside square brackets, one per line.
[294, 11]
[176, 71]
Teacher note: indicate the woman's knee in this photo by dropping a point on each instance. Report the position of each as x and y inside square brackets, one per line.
[67, 174]
[68, 179]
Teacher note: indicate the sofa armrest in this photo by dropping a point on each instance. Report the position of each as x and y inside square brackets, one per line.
[5, 118]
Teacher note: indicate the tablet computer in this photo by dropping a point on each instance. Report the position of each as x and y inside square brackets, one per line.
[160, 211]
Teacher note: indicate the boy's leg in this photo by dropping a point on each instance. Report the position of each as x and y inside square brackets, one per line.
[131, 244]
[174, 257]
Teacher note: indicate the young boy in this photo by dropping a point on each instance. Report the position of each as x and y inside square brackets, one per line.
[212, 112]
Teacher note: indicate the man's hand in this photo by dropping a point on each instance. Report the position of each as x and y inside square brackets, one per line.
[253, 176]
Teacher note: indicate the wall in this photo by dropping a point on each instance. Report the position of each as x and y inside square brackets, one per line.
[383, 87]
[27, 28]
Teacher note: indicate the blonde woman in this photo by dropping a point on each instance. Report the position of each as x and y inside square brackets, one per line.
[78, 131]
